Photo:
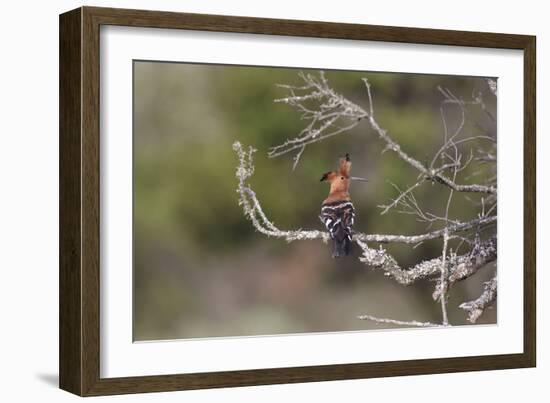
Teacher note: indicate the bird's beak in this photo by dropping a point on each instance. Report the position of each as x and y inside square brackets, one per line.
[355, 178]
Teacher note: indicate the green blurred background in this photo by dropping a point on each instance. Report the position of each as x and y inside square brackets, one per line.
[200, 269]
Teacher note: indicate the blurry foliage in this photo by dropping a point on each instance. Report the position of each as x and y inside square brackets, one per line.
[200, 270]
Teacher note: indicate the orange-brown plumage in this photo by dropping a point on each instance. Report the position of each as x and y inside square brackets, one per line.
[339, 181]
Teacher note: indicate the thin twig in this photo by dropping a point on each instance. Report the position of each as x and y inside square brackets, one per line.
[412, 323]
[443, 280]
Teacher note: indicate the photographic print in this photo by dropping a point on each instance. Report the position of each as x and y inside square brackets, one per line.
[272, 201]
[290, 201]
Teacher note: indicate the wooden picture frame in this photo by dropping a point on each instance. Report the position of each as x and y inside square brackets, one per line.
[79, 346]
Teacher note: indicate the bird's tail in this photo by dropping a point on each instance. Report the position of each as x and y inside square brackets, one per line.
[341, 247]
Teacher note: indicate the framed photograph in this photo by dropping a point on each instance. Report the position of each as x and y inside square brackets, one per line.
[249, 201]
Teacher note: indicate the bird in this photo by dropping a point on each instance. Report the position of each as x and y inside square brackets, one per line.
[337, 211]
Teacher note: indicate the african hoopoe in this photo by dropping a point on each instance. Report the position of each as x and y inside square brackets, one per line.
[337, 212]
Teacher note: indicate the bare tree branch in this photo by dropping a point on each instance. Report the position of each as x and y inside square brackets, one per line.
[443, 279]
[476, 307]
[412, 323]
[379, 259]
[432, 174]
[464, 266]
[334, 114]
[443, 284]
[414, 239]
[252, 208]
[326, 121]
[254, 212]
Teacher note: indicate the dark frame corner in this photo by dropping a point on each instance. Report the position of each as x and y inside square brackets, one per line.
[79, 200]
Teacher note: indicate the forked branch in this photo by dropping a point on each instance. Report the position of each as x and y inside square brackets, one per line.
[476, 307]
[335, 114]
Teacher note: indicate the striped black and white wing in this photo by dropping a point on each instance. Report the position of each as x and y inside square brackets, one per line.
[338, 218]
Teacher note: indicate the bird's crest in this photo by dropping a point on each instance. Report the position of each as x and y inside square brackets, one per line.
[345, 166]
[344, 169]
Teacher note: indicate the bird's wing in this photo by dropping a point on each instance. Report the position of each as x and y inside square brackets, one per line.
[338, 219]
[348, 219]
